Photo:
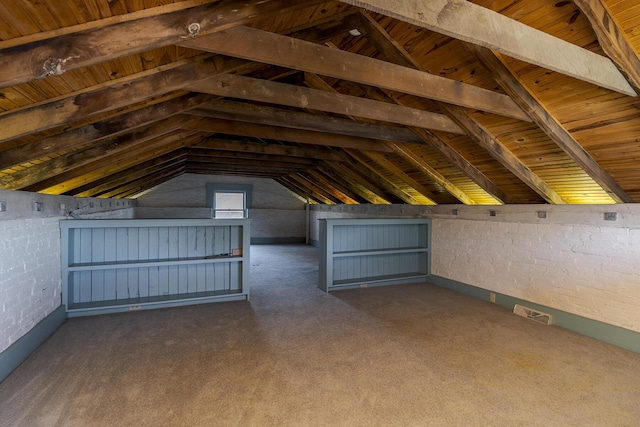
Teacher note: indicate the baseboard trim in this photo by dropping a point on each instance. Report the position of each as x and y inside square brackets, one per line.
[621, 337]
[276, 240]
[17, 353]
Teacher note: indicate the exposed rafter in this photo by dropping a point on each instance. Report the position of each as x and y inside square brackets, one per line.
[552, 127]
[475, 24]
[71, 51]
[256, 45]
[295, 96]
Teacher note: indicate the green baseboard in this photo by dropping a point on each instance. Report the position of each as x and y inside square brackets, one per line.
[621, 337]
[17, 352]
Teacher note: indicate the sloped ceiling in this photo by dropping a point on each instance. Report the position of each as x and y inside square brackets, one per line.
[373, 101]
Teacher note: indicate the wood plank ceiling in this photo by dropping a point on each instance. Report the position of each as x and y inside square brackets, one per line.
[371, 101]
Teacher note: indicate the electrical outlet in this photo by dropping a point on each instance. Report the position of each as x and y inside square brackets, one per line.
[610, 216]
[542, 214]
[134, 307]
[363, 285]
[3, 206]
[492, 297]
[492, 213]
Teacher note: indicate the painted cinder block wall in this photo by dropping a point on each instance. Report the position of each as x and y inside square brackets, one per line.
[30, 283]
[573, 260]
[276, 213]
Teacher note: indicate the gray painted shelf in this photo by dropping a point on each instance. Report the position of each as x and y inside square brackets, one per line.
[373, 252]
[123, 265]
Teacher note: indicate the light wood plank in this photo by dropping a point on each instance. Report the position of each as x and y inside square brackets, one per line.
[475, 24]
[612, 39]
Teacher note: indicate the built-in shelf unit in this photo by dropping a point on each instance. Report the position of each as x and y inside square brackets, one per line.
[373, 252]
[123, 265]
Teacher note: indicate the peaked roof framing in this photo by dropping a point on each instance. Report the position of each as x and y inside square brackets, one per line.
[447, 101]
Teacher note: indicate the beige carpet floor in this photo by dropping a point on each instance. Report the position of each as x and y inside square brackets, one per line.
[405, 355]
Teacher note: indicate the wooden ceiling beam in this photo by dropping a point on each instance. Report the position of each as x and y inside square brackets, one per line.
[316, 81]
[28, 177]
[139, 183]
[612, 39]
[271, 149]
[299, 136]
[244, 112]
[108, 165]
[147, 183]
[95, 132]
[270, 48]
[242, 157]
[433, 174]
[59, 54]
[475, 24]
[393, 51]
[321, 187]
[371, 187]
[400, 174]
[320, 176]
[332, 171]
[498, 151]
[295, 188]
[117, 93]
[507, 79]
[102, 186]
[301, 97]
[373, 177]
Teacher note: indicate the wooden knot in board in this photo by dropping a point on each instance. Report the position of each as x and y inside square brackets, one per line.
[54, 66]
[193, 29]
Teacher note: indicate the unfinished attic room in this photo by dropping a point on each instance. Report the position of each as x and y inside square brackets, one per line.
[319, 213]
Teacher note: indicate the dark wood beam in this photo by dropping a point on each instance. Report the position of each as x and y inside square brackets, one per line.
[28, 177]
[240, 111]
[301, 97]
[270, 48]
[299, 136]
[95, 132]
[101, 187]
[272, 149]
[57, 55]
[115, 94]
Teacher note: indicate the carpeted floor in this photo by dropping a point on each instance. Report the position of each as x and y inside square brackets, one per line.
[405, 355]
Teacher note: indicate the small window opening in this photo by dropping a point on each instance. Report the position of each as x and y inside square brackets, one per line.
[229, 204]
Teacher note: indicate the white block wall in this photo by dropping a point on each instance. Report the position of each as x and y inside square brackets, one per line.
[573, 260]
[585, 270]
[30, 282]
[29, 275]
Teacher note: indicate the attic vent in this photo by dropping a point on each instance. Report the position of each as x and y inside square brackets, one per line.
[529, 313]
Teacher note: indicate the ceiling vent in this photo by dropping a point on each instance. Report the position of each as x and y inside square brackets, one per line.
[530, 313]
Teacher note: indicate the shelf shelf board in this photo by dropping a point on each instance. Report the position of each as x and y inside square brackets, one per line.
[110, 265]
[172, 300]
[379, 279]
[386, 251]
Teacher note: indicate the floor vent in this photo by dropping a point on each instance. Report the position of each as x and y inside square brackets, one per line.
[535, 315]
